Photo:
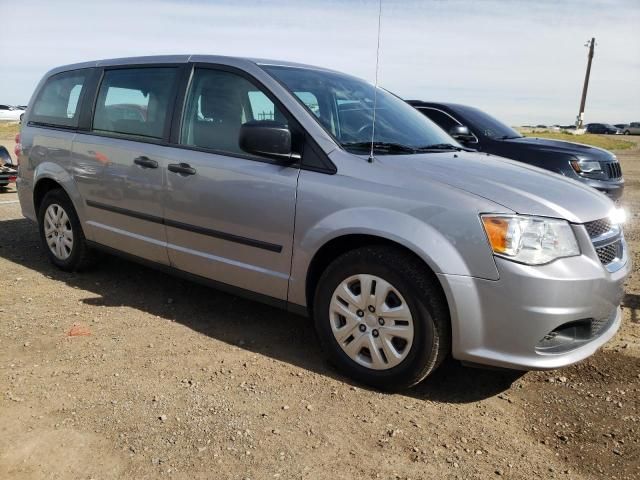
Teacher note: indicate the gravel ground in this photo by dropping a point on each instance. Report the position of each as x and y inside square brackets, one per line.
[168, 379]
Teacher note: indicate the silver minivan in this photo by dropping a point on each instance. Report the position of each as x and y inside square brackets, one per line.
[277, 181]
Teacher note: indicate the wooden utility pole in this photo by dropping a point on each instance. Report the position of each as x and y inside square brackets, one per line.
[580, 119]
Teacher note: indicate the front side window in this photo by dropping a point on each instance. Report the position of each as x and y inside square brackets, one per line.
[57, 102]
[486, 125]
[344, 107]
[441, 119]
[218, 104]
[135, 101]
[310, 101]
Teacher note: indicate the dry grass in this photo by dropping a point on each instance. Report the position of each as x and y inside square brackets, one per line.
[608, 142]
[8, 130]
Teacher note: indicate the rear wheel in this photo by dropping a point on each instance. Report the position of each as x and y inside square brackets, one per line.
[381, 317]
[61, 232]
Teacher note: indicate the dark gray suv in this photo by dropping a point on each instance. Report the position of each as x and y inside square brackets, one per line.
[476, 129]
[270, 179]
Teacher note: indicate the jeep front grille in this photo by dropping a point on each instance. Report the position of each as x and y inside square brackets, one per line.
[613, 170]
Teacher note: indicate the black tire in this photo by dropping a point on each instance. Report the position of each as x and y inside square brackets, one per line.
[81, 256]
[424, 297]
[627, 132]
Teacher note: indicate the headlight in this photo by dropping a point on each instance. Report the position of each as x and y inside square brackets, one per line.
[586, 167]
[618, 216]
[530, 240]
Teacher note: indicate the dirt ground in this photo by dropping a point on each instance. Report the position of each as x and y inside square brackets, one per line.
[179, 381]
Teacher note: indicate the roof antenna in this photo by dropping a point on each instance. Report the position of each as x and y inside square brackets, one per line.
[375, 90]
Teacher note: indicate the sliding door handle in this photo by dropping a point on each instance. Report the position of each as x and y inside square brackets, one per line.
[181, 168]
[145, 162]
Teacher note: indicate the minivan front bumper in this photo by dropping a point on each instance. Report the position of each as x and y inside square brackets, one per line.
[535, 317]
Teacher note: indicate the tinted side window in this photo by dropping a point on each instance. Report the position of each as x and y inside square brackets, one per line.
[311, 102]
[135, 101]
[57, 102]
[443, 120]
[261, 107]
[218, 103]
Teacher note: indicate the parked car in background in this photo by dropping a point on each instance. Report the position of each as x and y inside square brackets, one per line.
[476, 129]
[602, 128]
[8, 171]
[256, 177]
[632, 129]
[5, 156]
[9, 113]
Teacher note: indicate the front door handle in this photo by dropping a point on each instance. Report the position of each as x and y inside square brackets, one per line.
[145, 162]
[181, 168]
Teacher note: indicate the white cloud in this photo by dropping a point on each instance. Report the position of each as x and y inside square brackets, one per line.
[522, 61]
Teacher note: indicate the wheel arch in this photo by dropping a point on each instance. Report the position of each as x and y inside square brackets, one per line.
[342, 244]
[49, 175]
[42, 187]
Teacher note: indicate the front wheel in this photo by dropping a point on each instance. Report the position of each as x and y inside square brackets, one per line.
[381, 317]
[61, 233]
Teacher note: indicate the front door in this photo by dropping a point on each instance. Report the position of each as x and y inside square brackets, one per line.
[229, 215]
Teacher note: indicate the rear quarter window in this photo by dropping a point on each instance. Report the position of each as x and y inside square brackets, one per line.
[58, 100]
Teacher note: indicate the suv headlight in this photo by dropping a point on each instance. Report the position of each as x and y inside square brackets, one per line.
[530, 240]
[586, 167]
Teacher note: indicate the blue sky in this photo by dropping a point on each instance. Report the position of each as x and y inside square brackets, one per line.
[522, 61]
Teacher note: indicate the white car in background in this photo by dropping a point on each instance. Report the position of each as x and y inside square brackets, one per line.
[9, 113]
[632, 129]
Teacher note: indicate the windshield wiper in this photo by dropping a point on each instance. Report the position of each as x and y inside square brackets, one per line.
[438, 147]
[381, 146]
[509, 137]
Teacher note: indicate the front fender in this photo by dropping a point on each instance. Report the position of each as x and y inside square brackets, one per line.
[438, 251]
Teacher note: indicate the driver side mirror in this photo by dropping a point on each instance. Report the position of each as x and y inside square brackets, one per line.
[462, 133]
[267, 138]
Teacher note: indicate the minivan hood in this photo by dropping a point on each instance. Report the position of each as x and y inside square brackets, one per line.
[521, 188]
[580, 150]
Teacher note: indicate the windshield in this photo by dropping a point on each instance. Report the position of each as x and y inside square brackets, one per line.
[485, 125]
[344, 107]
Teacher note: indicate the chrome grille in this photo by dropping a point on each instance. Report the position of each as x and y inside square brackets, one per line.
[607, 240]
[609, 253]
[613, 170]
[598, 227]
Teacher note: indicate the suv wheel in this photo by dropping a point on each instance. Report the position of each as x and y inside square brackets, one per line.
[61, 232]
[626, 132]
[381, 318]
